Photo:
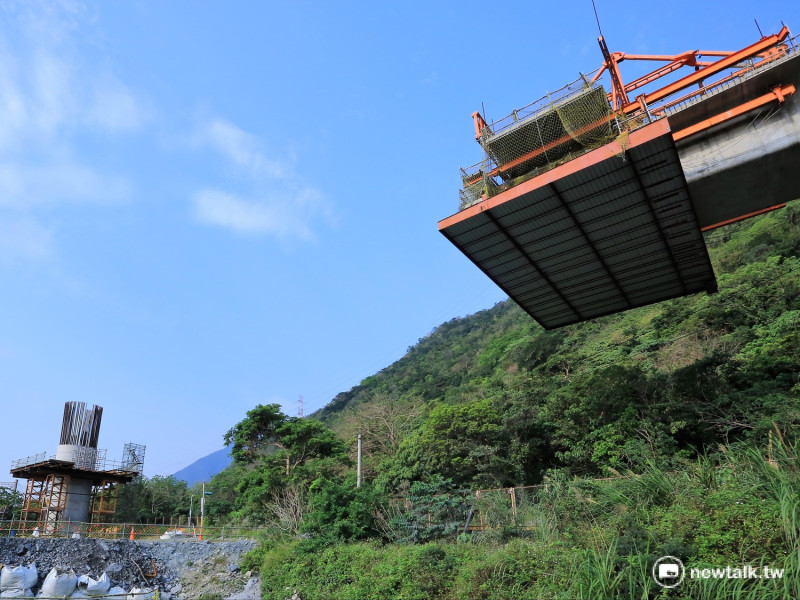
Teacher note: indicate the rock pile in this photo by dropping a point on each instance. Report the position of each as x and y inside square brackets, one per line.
[185, 569]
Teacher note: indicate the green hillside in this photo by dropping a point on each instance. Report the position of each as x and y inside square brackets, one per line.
[498, 401]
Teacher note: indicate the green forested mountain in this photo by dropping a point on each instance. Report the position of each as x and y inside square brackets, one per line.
[494, 400]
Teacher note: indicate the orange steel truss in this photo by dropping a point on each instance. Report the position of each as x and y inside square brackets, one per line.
[767, 49]
[555, 218]
[706, 76]
[32, 501]
[45, 498]
[104, 500]
[654, 104]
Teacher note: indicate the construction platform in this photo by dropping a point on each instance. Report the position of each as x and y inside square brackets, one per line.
[59, 490]
[78, 483]
[52, 466]
[597, 235]
[588, 203]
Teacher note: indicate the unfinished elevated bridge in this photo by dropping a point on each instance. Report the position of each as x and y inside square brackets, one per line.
[592, 201]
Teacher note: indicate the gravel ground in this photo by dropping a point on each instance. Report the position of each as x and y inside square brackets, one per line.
[185, 569]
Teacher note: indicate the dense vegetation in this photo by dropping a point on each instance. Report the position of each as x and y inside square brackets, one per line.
[499, 402]
[691, 405]
[591, 540]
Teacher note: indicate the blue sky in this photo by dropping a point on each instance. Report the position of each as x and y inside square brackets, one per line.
[209, 205]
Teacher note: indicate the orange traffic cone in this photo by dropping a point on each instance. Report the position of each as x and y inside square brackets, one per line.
[133, 535]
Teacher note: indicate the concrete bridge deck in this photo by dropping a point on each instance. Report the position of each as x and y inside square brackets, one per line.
[749, 163]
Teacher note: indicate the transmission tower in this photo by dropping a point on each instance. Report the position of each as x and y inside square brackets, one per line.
[300, 406]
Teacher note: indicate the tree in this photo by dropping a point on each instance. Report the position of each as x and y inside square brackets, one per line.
[278, 453]
[166, 496]
[130, 501]
[251, 437]
[383, 422]
[300, 440]
[338, 511]
[266, 431]
[255, 490]
[10, 503]
[145, 500]
[465, 442]
[435, 510]
[223, 487]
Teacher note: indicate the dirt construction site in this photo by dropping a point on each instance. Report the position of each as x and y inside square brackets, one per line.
[176, 569]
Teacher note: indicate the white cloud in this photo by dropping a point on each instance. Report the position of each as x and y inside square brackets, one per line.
[49, 90]
[242, 148]
[28, 187]
[52, 21]
[226, 210]
[287, 218]
[114, 108]
[287, 209]
[51, 96]
[23, 238]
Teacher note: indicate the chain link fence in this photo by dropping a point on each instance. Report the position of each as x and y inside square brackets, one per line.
[67, 529]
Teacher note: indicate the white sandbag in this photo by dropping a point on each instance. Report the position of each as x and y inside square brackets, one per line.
[31, 577]
[115, 593]
[59, 583]
[12, 578]
[94, 587]
[141, 594]
[78, 595]
[18, 577]
[16, 594]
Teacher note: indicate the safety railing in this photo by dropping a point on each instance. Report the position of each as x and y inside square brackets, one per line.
[546, 103]
[29, 460]
[97, 462]
[753, 68]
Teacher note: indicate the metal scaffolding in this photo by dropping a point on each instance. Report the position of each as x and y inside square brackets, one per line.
[104, 501]
[45, 499]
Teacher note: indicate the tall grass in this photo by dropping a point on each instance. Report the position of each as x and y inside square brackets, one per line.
[597, 577]
[592, 540]
[777, 473]
[638, 582]
[644, 503]
[730, 589]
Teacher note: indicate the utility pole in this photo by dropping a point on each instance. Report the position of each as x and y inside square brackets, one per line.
[358, 476]
[203, 509]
